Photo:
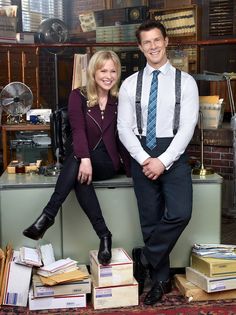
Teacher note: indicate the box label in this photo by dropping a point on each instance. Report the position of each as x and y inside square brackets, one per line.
[106, 272]
[104, 293]
[217, 286]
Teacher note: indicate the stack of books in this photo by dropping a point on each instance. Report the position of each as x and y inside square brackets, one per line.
[114, 284]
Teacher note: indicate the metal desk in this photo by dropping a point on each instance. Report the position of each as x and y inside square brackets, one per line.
[23, 197]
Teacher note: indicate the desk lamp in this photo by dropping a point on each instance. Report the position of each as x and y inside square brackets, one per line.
[202, 171]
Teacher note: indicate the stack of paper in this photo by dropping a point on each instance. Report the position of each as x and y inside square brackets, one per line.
[30, 257]
[58, 267]
[215, 250]
[74, 282]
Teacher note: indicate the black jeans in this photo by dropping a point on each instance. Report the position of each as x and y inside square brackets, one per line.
[85, 194]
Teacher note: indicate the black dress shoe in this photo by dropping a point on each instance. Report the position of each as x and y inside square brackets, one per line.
[104, 253]
[39, 227]
[157, 291]
[140, 270]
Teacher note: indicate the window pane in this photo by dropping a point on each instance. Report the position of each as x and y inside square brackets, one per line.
[5, 2]
[34, 11]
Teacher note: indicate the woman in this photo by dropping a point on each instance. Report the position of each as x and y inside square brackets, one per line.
[96, 153]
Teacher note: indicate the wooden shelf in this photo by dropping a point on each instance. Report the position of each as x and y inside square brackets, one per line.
[173, 41]
[17, 127]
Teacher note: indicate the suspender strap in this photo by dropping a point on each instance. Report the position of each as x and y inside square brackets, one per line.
[138, 102]
[177, 100]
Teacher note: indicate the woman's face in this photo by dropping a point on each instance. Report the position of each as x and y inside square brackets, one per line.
[106, 77]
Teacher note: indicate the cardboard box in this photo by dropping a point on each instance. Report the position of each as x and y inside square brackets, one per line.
[116, 296]
[47, 303]
[118, 272]
[213, 267]
[210, 284]
[193, 293]
[67, 288]
[17, 283]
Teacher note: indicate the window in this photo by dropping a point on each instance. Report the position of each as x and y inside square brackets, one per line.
[5, 2]
[34, 11]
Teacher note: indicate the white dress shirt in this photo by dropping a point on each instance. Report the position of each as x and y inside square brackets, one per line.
[189, 109]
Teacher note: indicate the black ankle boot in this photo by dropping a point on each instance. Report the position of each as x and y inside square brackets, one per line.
[104, 253]
[39, 227]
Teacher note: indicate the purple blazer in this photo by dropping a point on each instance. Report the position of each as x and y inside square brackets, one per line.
[88, 129]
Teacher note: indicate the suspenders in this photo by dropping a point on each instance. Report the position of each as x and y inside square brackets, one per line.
[177, 101]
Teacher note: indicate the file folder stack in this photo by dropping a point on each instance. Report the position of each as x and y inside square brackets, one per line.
[114, 284]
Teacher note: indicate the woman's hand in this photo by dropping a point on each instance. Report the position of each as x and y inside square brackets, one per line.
[85, 171]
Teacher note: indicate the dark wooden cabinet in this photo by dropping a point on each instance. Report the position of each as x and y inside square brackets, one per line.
[20, 64]
[4, 73]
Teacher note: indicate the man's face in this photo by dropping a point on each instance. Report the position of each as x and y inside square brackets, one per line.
[153, 45]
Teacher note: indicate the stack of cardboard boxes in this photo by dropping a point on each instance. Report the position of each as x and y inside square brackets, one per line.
[114, 284]
[208, 278]
[68, 290]
[111, 286]
[66, 294]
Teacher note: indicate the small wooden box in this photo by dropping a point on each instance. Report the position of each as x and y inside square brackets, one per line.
[118, 272]
[32, 167]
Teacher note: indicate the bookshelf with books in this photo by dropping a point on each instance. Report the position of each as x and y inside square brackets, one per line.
[183, 29]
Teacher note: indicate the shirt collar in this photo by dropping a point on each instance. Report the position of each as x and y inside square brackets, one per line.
[163, 69]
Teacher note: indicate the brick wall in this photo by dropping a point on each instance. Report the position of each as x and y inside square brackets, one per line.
[220, 158]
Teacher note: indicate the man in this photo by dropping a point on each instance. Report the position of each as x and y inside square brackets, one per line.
[160, 171]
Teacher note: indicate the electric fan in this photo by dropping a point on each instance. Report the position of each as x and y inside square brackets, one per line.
[16, 99]
[53, 31]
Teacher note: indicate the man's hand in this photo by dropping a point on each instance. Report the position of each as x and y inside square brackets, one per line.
[153, 168]
[85, 171]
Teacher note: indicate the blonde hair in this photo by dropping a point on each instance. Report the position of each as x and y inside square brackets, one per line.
[96, 62]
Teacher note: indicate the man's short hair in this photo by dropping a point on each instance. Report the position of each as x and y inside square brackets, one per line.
[149, 25]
